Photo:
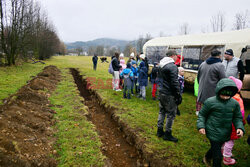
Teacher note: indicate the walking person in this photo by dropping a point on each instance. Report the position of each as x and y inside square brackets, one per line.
[216, 117]
[209, 74]
[169, 95]
[228, 145]
[94, 60]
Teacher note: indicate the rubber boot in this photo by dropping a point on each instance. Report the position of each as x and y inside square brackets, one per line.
[129, 97]
[168, 136]
[160, 132]
[124, 95]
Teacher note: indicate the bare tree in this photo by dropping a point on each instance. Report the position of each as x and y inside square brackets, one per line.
[241, 19]
[141, 41]
[184, 29]
[218, 22]
[100, 50]
[128, 49]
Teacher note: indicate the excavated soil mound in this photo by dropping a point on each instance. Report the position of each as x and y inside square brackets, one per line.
[25, 123]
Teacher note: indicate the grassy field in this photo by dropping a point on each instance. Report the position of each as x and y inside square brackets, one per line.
[140, 115]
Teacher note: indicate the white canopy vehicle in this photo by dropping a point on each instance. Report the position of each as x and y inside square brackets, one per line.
[197, 48]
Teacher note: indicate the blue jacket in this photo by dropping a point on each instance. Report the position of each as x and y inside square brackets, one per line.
[127, 75]
[135, 71]
[143, 75]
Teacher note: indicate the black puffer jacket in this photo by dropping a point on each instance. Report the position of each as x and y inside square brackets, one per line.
[115, 64]
[169, 74]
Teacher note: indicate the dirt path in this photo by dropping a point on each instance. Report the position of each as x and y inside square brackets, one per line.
[119, 152]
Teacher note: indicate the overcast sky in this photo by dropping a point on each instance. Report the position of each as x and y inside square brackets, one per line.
[83, 20]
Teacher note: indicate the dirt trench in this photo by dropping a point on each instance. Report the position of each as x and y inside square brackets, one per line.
[115, 146]
[26, 122]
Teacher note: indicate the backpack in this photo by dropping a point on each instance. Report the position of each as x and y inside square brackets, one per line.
[111, 70]
[127, 78]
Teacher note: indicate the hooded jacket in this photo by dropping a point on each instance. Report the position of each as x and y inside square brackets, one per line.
[143, 75]
[209, 74]
[127, 75]
[217, 115]
[168, 72]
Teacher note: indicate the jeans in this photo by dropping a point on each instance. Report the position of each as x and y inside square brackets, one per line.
[228, 147]
[167, 107]
[215, 153]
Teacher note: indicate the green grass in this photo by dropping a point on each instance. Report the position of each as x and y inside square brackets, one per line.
[77, 141]
[140, 115]
[14, 77]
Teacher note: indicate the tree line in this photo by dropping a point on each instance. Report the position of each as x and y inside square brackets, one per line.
[26, 32]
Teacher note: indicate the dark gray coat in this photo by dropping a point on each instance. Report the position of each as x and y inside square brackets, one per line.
[209, 74]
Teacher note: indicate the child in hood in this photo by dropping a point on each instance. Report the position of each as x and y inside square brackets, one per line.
[127, 75]
[216, 117]
[143, 80]
[228, 146]
[136, 74]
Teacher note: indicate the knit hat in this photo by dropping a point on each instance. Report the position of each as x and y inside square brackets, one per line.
[133, 62]
[132, 54]
[229, 52]
[121, 55]
[142, 56]
[237, 82]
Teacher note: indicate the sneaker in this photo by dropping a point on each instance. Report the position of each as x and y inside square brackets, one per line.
[228, 161]
[207, 162]
[118, 90]
[197, 113]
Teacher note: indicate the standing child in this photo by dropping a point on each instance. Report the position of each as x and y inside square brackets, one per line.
[136, 74]
[228, 146]
[216, 117]
[181, 79]
[181, 82]
[127, 75]
[122, 63]
[154, 76]
[143, 80]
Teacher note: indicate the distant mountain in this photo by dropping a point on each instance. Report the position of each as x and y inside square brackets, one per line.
[106, 42]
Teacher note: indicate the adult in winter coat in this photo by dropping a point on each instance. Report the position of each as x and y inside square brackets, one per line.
[116, 67]
[216, 117]
[209, 74]
[94, 60]
[169, 95]
[233, 65]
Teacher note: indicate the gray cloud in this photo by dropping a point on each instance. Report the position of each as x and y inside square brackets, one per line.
[81, 20]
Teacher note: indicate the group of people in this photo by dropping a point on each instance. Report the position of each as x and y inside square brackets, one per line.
[219, 106]
[131, 76]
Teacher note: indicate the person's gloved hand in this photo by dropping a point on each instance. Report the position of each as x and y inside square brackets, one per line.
[178, 99]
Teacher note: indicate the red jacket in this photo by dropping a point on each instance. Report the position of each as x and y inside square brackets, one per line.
[238, 99]
[178, 60]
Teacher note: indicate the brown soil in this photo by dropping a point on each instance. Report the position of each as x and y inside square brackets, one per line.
[25, 123]
[116, 148]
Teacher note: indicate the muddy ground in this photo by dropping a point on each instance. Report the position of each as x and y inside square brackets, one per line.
[25, 123]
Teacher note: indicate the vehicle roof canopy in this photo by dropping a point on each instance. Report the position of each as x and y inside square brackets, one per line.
[235, 40]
